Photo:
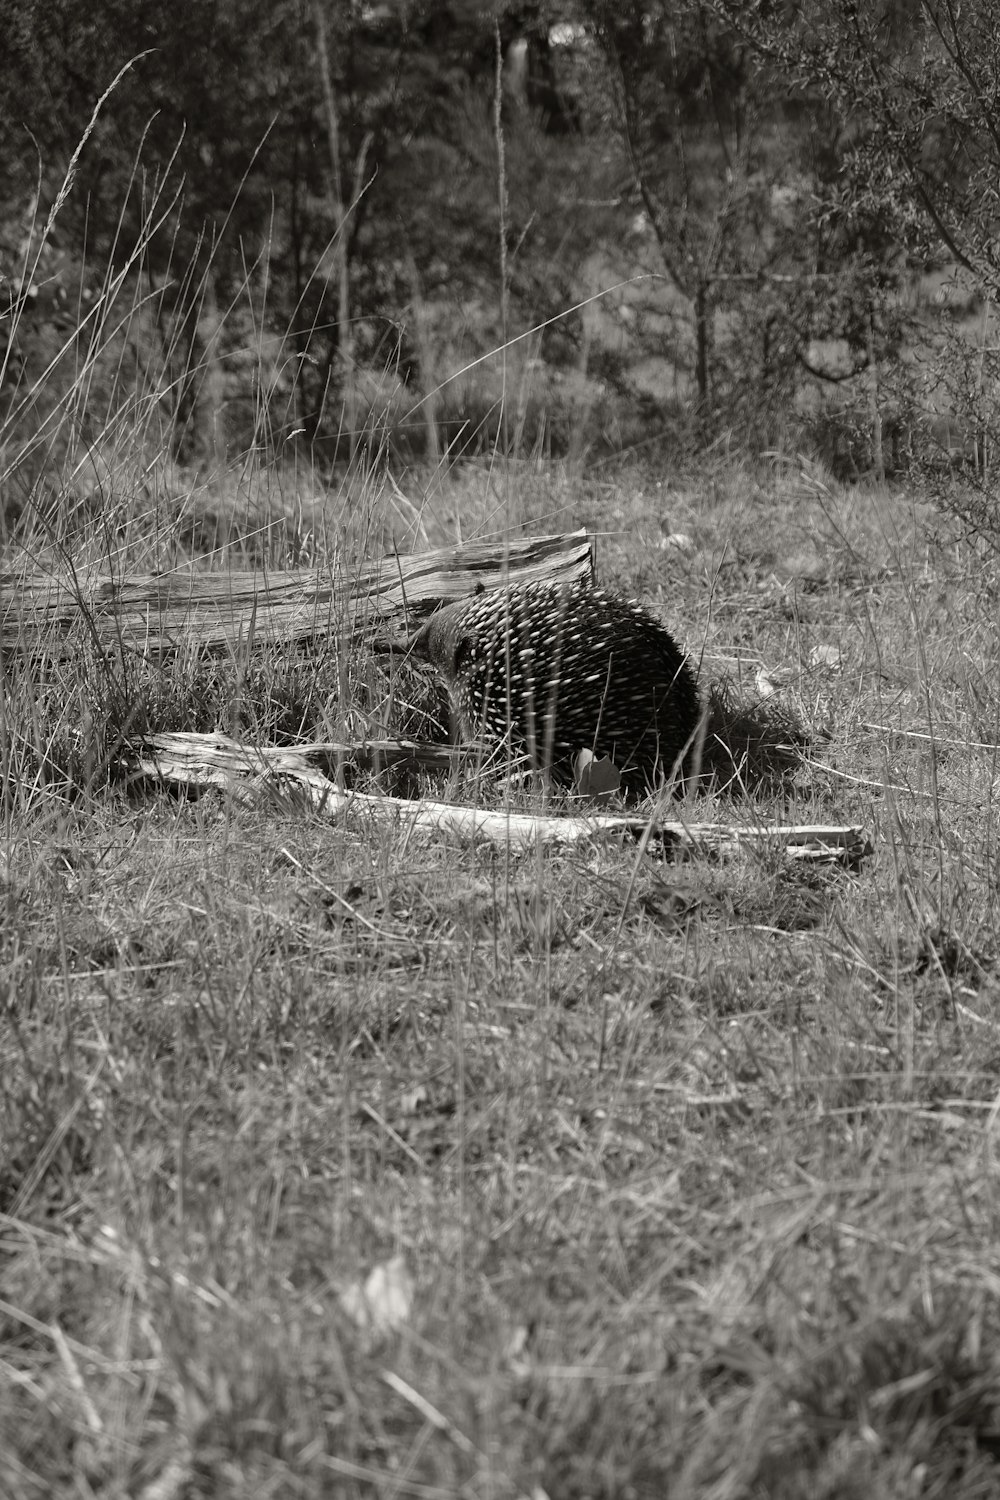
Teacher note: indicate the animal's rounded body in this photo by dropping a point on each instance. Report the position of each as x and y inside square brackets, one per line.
[555, 668]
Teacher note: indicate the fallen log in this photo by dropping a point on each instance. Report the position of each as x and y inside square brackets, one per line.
[156, 614]
[255, 773]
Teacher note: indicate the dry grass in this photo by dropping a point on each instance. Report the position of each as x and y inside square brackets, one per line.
[690, 1167]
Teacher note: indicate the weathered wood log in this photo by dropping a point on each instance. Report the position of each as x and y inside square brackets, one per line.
[255, 773]
[155, 614]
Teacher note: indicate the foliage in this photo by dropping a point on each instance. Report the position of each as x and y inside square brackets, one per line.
[223, 193]
[751, 192]
[916, 82]
[753, 212]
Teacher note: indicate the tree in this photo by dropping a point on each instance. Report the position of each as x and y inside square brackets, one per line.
[919, 79]
[181, 160]
[740, 169]
[677, 95]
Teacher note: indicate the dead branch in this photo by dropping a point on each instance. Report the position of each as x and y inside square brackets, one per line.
[253, 773]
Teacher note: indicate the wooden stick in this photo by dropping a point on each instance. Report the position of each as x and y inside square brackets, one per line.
[254, 772]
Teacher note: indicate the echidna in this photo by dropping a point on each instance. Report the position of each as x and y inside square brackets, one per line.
[556, 668]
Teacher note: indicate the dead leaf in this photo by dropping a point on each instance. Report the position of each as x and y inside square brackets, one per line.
[385, 1301]
[596, 778]
[413, 1099]
[826, 656]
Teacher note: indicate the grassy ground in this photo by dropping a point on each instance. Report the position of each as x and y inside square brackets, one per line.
[337, 1160]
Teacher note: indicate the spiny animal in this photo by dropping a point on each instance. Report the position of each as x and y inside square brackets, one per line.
[556, 668]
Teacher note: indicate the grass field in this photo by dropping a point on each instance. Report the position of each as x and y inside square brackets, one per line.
[336, 1159]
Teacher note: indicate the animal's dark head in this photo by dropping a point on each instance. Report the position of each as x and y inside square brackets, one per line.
[444, 642]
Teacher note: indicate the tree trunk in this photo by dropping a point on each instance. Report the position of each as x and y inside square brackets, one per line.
[703, 335]
[423, 340]
[45, 615]
[878, 461]
[345, 332]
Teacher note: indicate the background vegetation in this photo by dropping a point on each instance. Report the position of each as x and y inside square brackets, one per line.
[334, 1160]
[684, 221]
